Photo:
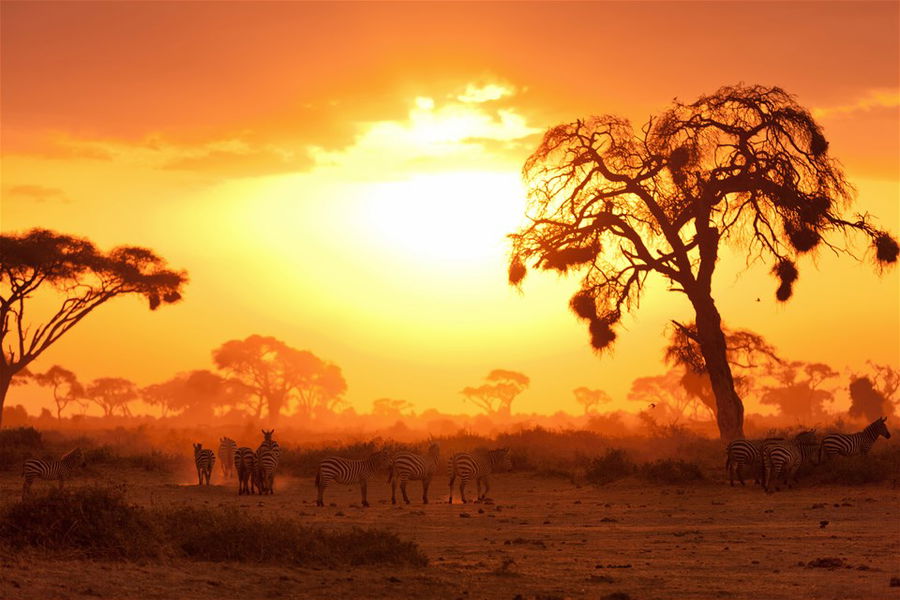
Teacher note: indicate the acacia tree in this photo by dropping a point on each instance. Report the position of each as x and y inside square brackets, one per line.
[194, 395]
[667, 399]
[800, 391]
[496, 396]
[390, 407]
[746, 165]
[49, 264]
[590, 399]
[65, 386]
[275, 373]
[112, 394]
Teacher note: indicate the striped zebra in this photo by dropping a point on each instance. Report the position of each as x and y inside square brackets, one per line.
[51, 469]
[227, 447]
[267, 457]
[204, 460]
[245, 465]
[842, 444]
[741, 453]
[406, 466]
[477, 466]
[347, 471]
[784, 458]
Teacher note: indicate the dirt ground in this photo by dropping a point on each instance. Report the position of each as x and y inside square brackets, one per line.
[543, 538]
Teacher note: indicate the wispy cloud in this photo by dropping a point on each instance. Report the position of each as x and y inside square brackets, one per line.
[37, 193]
[873, 100]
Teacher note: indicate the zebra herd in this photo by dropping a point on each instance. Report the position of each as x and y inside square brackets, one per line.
[772, 459]
[255, 469]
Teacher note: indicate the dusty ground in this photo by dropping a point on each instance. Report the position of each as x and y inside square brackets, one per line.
[543, 538]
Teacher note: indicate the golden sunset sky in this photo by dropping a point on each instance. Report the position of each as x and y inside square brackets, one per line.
[342, 176]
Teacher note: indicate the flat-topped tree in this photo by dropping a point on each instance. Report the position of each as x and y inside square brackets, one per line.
[746, 165]
[44, 262]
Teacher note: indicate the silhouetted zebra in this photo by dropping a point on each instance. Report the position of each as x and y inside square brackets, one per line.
[227, 446]
[348, 471]
[406, 466]
[267, 456]
[51, 469]
[844, 444]
[478, 466]
[740, 453]
[245, 465]
[784, 458]
[204, 459]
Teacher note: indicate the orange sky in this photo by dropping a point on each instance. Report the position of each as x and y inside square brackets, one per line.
[341, 175]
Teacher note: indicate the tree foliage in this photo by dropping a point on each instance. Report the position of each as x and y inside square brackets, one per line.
[81, 277]
[112, 394]
[873, 394]
[195, 395]
[800, 390]
[589, 399]
[64, 384]
[746, 166]
[496, 396]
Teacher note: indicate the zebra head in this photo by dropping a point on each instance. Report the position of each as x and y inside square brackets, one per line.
[197, 449]
[74, 457]
[267, 435]
[500, 459]
[879, 426]
[434, 451]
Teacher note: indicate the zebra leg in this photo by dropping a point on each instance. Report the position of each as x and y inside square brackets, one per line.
[425, 483]
[487, 486]
[394, 490]
[478, 489]
[403, 483]
[462, 489]
[452, 479]
[363, 487]
[740, 474]
[320, 493]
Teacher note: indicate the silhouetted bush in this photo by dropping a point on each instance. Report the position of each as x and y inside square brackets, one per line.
[612, 466]
[152, 460]
[18, 444]
[670, 471]
[99, 523]
[877, 467]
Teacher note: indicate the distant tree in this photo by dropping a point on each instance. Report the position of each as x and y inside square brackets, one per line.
[496, 396]
[873, 395]
[590, 399]
[799, 391]
[666, 400]
[275, 373]
[747, 166]
[41, 264]
[65, 386]
[390, 407]
[194, 395]
[112, 394]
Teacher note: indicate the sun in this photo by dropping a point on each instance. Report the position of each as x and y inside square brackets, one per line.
[451, 218]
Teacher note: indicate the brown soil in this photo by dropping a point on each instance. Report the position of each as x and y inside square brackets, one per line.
[543, 538]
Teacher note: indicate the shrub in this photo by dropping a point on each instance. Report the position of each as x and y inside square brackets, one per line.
[18, 444]
[877, 467]
[153, 460]
[98, 523]
[612, 466]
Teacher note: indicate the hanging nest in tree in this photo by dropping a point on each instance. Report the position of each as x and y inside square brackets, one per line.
[517, 270]
[583, 305]
[602, 335]
[818, 145]
[560, 260]
[803, 238]
[885, 248]
[786, 271]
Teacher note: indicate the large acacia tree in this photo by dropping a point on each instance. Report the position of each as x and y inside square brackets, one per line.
[746, 165]
[42, 267]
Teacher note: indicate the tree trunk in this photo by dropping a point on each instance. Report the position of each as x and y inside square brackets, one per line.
[729, 408]
[5, 382]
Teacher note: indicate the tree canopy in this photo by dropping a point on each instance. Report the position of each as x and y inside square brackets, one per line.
[112, 394]
[81, 276]
[496, 396]
[746, 166]
[65, 385]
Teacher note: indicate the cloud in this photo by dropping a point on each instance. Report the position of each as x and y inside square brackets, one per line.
[37, 193]
[872, 100]
[485, 93]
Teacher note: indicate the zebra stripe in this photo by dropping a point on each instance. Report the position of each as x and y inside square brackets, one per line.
[245, 465]
[406, 467]
[842, 444]
[204, 459]
[745, 453]
[784, 459]
[227, 447]
[477, 466]
[348, 471]
[51, 469]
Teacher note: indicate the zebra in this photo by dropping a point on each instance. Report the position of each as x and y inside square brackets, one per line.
[477, 466]
[51, 469]
[348, 471]
[406, 466]
[267, 457]
[848, 444]
[245, 465]
[745, 452]
[227, 447]
[205, 460]
[784, 458]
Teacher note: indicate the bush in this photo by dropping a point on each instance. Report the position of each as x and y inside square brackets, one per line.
[877, 467]
[153, 460]
[18, 444]
[98, 523]
[670, 471]
[612, 466]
